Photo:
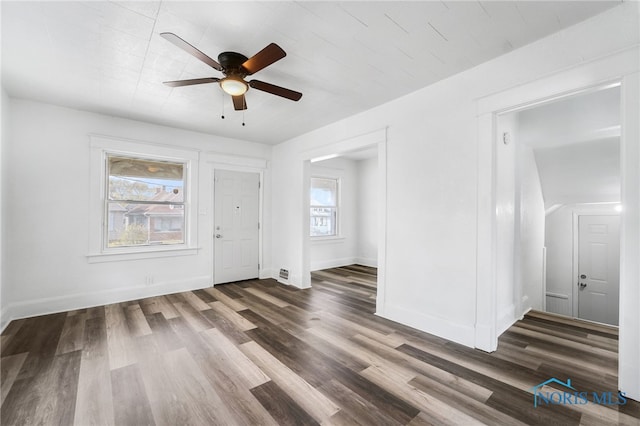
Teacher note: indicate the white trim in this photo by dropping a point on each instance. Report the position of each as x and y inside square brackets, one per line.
[381, 261]
[506, 318]
[486, 294]
[332, 263]
[101, 146]
[621, 66]
[234, 162]
[167, 251]
[251, 165]
[121, 144]
[376, 138]
[459, 333]
[629, 325]
[327, 239]
[49, 305]
[364, 261]
[602, 71]
[544, 279]
[557, 295]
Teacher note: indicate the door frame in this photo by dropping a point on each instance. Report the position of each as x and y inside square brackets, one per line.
[620, 67]
[377, 138]
[245, 165]
[576, 257]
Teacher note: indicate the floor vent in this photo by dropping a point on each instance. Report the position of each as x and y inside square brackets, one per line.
[284, 274]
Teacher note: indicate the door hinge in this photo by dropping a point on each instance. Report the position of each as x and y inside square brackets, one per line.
[258, 184]
[258, 225]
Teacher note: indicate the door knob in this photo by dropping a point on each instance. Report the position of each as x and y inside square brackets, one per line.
[583, 276]
[582, 285]
[218, 236]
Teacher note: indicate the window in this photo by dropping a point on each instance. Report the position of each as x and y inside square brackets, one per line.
[324, 207]
[145, 202]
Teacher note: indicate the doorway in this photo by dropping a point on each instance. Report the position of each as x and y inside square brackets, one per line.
[616, 70]
[574, 143]
[343, 202]
[376, 140]
[236, 226]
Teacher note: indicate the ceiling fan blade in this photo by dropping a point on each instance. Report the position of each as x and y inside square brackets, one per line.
[191, 50]
[180, 83]
[264, 58]
[275, 90]
[239, 102]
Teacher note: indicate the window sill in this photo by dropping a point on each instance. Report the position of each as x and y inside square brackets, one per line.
[137, 255]
[331, 239]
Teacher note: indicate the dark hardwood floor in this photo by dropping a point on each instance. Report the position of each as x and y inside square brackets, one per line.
[260, 353]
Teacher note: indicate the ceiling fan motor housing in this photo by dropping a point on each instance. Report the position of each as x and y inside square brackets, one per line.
[232, 63]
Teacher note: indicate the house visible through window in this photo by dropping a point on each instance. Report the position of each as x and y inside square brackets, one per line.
[324, 207]
[145, 203]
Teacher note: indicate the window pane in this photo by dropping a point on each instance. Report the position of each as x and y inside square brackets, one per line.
[133, 225]
[324, 207]
[144, 180]
[324, 192]
[323, 221]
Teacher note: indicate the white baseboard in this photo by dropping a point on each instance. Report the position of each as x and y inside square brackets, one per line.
[332, 263]
[459, 333]
[5, 318]
[294, 280]
[266, 273]
[506, 318]
[50, 305]
[373, 263]
[485, 338]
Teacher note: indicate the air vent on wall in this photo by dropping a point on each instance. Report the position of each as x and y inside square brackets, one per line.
[284, 274]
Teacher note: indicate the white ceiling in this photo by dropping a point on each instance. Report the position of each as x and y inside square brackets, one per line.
[576, 142]
[345, 57]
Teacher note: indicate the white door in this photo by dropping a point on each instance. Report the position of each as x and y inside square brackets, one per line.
[236, 226]
[599, 268]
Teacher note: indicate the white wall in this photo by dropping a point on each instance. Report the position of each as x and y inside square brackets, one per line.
[47, 212]
[367, 216]
[432, 176]
[519, 225]
[331, 252]
[532, 232]
[559, 239]
[4, 143]
[507, 209]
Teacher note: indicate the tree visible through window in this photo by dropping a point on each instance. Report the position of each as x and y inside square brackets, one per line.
[145, 202]
[324, 207]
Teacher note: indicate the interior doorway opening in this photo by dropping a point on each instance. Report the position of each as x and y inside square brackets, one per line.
[563, 168]
[343, 219]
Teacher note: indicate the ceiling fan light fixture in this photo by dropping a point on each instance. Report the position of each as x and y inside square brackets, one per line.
[234, 86]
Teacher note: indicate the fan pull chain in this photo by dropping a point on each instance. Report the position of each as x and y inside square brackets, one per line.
[244, 104]
[222, 97]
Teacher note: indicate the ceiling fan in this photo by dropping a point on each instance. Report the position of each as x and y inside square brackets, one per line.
[235, 68]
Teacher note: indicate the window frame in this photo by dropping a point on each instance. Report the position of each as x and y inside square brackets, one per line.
[101, 148]
[337, 208]
[108, 200]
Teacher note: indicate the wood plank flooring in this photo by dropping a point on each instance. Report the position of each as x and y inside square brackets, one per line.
[260, 353]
